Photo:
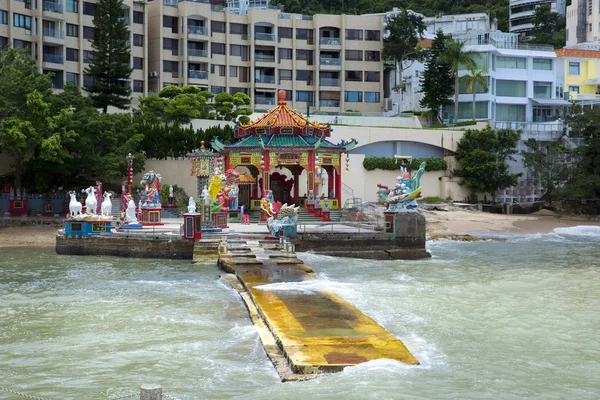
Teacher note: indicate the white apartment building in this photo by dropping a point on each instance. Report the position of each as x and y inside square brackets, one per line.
[583, 22]
[521, 13]
[331, 63]
[58, 32]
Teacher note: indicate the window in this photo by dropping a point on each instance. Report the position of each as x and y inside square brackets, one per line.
[285, 33]
[372, 76]
[463, 88]
[285, 75]
[72, 30]
[354, 34]
[3, 17]
[354, 76]
[22, 44]
[138, 86]
[574, 68]
[374, 36]
[542, 64]
[354, 55]
[465, 110]
[73, 6]
[511, 88]
[138, 63]
[233, 71]
[238, 50]
[574, 89]
[511, 62]
[221, 70]
[73, 78]
[217, 27]
[138, 17]
[305, 34]
[217, 48]
[304, 75]
[353, 97]
[239, 29]
[138, 40]
[371, 55]
[306, 55]
[170, 66]
[542, 90]
[3, 42]
[305, 96]
[72, 54]
[372, 97]
[510, 112]
[234, 90]
[88, 9]
[217, 89]
[22, 21]
[88, 57]
[88, 33]
[285, 54]
[88, 81]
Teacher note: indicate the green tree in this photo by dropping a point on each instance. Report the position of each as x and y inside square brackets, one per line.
[436, 80]
[549, 27]
[229, 108]
[110, 67]
[550, 165]
[175, 106]
[401, 46]
[478, 78]
[457, 57]
[483, 156]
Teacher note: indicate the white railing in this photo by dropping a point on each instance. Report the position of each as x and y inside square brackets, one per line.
[331, 41]
[329, 82]
[171, 3]
[265, 79]
[264, 100]
[55, 33]
[198, 30]
[264, 36]
[331, 61]
[264, 57]
[197, 53]
[52, 6]
[196, 74]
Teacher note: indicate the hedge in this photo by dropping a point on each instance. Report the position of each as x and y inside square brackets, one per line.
[392, 164]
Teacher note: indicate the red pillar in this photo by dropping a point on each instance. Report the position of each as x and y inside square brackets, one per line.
[338, 184]
[310, 172]
[330, 179]
[266, 184]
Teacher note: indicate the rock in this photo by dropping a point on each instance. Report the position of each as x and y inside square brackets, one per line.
[464, 238]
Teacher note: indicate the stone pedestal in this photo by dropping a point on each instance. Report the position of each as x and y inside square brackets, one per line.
[408, 227]
[318, 212]
[192, 226]
[151, 216]
[310, 208]
[326, 216]
[220, 219]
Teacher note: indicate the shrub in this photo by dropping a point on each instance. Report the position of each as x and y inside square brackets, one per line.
[465, 123]
[392, 164]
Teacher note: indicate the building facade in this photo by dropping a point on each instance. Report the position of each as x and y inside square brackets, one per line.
[521, 13]
[57, 34]
[580, 70]
[583, 22]
[329, 63]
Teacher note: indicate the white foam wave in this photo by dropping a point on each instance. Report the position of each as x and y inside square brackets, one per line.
[313, 285]
[589, 231]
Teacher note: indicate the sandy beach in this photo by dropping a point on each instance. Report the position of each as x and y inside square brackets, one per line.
[453, 221]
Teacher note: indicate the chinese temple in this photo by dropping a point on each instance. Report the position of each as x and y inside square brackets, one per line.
[284, 138]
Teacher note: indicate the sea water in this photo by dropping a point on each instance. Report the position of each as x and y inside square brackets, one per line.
[518, 319]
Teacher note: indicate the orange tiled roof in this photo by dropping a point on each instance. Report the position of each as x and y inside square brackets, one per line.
[577, 53]
[282, 116]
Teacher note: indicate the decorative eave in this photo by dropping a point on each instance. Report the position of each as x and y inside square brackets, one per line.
[201, 152]
[349, 145]
[217, 144]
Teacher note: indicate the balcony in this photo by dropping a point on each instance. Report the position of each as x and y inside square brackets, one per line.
[126, 20]
[264, 57]
[264, 100]
[266, 79]
[329, 82]
[52, 7]
[197, 53]
[198, 30]
[329, 103]
[331, 41]
[270, 37]
[171, 3]
[331, 61]
[53, 58]
[196, 74]
[217, 8]
[54, 33]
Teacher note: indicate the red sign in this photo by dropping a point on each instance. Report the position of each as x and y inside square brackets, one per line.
[288, 158]
[6, 188]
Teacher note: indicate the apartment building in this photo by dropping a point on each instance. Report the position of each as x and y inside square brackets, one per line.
[330, 63]
[583, 22]
[58, 32]
[521, 13]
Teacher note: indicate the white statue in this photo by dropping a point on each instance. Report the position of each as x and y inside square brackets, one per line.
[74, 205]
[205, 195]
[269, 196]
[90, 202]
[311, 197]
[140, 205]
[191, 206]
[170, 190]
[106, 206]
[130, 212]
[325, 204]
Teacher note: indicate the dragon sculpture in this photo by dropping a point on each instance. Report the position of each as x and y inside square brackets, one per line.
[282, 219]
[403, 197]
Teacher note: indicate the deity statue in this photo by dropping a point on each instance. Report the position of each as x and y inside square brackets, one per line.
[311, 197]
[205, 196]
[151, 182]
[170, 190]
[326, 204]
[191, 206]
[130, 217]
[405, 192]
[269, 196]
[233, 198]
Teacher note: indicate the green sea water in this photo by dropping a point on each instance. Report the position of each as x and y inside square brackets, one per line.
[488, 320]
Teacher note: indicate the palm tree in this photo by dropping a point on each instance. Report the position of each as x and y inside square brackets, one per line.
[457, 57]
[478, 77]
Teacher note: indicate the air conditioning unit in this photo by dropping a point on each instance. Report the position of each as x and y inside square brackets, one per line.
[154, 74]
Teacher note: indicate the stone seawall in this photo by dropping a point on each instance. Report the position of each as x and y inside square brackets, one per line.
[125, 247]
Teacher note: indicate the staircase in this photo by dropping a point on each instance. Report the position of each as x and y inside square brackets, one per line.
[116, 208]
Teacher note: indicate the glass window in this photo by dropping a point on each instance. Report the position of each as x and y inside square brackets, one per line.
[511, 88]
[73, 6]
[238, 50]
[3, 17]
[88, 9]
[353, 97]
[306, 55]
[88, 81]
[138, 63]
[88, 57]
[510, 112]
[233, 71]
[574, 68]
[72, 54]
[371, 97]
[3, 42]
[222, 70]
[285, 75]
[354, 55]
[374, 36]
[22, 21]
[88, 33]
[542, 64]
[285, 33]
[72, 30]
[239, 29]
[138, 40]
[354, 34]
[217, 48]
[73, 78]
[285, 54]
[305, 96]
[371, 55]
[138, 86]
[465, 110]
[138, 17]
[511, 62]
[304, 75]
[574, 89]
[542, 90]
[217, 27]
[217, 89]
[463, 88]
[354, 76]
[372, 76]
[305, 34]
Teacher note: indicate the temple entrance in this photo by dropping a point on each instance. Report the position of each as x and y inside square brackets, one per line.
[281, 186]
[244, 196]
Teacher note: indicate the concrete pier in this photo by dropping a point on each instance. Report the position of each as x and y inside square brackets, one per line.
[314, 331]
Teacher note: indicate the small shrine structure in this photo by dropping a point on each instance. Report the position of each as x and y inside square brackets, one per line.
[284, 138]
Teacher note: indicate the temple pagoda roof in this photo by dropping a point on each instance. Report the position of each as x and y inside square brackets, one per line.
[283, 142]
[282, 120]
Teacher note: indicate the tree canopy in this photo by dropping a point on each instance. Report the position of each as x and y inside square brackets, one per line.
[549, 27]
[436, 80]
